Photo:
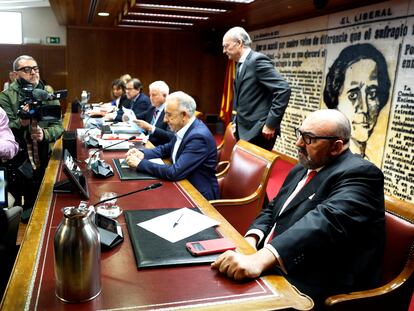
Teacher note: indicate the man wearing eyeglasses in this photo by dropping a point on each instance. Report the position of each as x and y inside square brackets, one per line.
[35, 136]
[325, 234]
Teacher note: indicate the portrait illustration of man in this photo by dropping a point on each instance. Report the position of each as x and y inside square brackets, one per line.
[358, 84]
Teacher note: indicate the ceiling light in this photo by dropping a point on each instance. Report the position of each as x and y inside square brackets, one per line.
[103, 14]
[169, 15]
[156, 22]
[238, 1]
[150, 27]
[179, 8]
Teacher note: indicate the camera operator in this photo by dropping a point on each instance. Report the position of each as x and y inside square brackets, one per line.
[35, 134]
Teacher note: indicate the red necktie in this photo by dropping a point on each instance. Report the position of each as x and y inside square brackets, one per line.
[311, 174]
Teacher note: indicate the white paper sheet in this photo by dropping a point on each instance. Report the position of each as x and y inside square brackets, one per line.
[178, 224]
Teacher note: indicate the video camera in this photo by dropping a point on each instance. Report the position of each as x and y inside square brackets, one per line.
[34, 98]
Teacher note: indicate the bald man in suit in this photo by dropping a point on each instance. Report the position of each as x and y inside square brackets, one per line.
[325, 236]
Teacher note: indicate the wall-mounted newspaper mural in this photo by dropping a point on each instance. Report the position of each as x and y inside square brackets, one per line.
[362, 63]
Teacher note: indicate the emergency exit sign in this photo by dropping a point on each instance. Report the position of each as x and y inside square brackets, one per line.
[53, 40]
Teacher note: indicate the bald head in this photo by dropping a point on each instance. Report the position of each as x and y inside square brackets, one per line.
[331, 122]
[323, 136]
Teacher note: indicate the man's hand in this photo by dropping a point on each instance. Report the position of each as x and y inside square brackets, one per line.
[25, 122]
[132, 161]
[144, 125]
[267, 132]
[125, 118]
[37, 133]
[135, 152]
[239, 266]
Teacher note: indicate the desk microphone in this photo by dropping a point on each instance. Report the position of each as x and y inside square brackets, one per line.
[150, 187]
[109, 146]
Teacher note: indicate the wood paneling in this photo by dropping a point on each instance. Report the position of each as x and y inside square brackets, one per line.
[185, 61]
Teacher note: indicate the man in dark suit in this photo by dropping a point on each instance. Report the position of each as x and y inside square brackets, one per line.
[192, 151]
[327, 235]
[261, 94]
[139, 102]
[152, 120]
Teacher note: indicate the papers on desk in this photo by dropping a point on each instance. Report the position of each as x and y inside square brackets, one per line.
[125, 128]
[178, 224]
[117, 145]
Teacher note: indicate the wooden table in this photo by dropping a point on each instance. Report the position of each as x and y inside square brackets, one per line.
[124, 287]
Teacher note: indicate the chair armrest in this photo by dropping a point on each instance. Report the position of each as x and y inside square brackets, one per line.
[370, 293]
[239, 201]
[222, 168]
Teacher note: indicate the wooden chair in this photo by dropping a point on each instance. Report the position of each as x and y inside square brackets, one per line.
[243, 185]
[398, 279]
[224, 150]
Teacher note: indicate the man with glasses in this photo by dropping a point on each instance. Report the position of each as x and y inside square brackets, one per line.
[34, 135]
[261, 94]
[325, 234]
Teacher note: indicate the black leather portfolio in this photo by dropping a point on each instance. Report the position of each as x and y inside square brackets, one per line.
[126, 173]
[153, 251]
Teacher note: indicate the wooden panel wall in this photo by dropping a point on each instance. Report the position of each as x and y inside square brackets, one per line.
[189, 62]
[185, 61]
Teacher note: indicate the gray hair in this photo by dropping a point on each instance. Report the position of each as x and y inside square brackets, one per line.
[20, 58]
[238, 33]
[160, 86]
[185, 101]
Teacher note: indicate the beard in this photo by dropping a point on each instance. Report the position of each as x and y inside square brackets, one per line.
[305, 159]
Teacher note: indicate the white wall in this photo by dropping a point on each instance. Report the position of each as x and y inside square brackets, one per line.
[39, 23]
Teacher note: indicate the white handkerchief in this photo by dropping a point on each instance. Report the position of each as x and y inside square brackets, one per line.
[311, 196]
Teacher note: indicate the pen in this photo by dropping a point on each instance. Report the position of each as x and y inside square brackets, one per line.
[177, 221]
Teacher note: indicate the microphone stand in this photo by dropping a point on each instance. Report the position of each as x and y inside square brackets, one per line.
[150, 187]
[107, 147]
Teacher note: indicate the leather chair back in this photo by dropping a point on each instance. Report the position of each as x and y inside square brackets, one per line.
[243, 186]
[397, 284]
[225, 149]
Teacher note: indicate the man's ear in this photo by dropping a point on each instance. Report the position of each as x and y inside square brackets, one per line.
[337, 147]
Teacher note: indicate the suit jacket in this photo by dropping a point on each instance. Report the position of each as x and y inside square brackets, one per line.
[331, 235]
[261, 96]
[139, 105]
[123, 102]
[162, 133]
[196, 160]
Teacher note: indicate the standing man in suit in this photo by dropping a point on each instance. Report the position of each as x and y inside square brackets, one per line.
[325, 235]
[192, 151]
[139, 102]
[261, 94]
[152, 120]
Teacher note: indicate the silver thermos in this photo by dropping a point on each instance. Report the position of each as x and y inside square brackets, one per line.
[77, 256]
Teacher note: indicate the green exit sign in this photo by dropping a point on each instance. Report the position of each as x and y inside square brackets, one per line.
[53, 40]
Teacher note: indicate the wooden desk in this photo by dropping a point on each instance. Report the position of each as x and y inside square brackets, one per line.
[124, 287]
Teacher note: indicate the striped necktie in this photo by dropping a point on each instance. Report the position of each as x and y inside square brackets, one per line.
[154, 116]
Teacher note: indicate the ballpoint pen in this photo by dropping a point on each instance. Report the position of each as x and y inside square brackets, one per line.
[177, 221]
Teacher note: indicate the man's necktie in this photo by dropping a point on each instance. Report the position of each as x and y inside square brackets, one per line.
[154, 116]
[311, 174]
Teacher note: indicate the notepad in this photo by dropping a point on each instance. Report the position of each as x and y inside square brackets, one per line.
[179, 224]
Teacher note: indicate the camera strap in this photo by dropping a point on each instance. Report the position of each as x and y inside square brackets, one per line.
[33, 147]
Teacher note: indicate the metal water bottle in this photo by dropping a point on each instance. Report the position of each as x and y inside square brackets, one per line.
[77, 256]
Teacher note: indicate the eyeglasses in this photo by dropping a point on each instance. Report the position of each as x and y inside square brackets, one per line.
[307, 138]
[28, 69]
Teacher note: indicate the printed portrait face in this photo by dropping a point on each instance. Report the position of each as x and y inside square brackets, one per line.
[358, 98]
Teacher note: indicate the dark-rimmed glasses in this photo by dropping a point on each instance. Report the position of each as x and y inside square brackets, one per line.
[307, 138]
[28, 69]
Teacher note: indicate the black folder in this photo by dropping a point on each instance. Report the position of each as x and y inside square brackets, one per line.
[130, 174]
[153, 251]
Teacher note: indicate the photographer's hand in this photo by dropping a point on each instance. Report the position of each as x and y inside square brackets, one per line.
[37, 133]
[25, 122]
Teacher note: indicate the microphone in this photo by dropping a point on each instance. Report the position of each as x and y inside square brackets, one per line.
[41, 95]
[150, 187]
[107, 147]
